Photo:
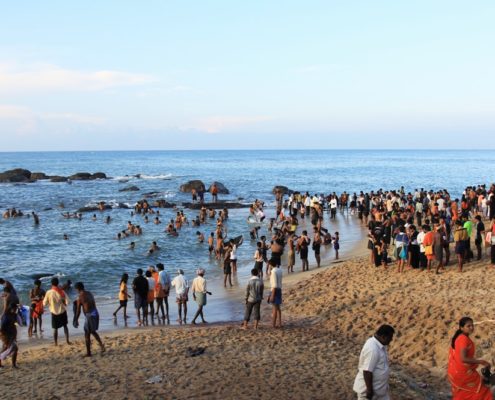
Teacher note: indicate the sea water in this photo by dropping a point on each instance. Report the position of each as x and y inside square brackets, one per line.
[93, 255]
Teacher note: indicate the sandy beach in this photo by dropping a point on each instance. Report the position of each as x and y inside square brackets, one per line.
[327, 316]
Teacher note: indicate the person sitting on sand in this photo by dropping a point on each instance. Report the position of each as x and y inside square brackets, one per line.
[254, 297]
[374, 369]
[86, 303]
[465, 380]
[199, 292]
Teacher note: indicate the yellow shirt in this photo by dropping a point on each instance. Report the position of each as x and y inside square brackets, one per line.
[123, 292]
[55, 302]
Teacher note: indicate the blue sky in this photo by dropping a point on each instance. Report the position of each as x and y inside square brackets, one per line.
[128, 75]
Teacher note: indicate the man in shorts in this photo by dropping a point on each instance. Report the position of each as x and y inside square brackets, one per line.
[57, 301]
[140, 288]
[86, 302]
[181, 293]
[254, 297]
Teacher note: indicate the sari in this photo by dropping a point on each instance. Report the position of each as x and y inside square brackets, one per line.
[465, 380]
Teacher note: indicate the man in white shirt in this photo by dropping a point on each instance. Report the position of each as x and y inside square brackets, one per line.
[276, 293]
[374, 370]
[181, 291]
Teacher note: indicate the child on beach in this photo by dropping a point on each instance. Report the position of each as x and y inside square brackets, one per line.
[123, 296]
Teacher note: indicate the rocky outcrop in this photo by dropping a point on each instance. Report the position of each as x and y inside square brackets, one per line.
[57, 178]
[81, 176]
[99, 175]
[15, 175]
[163, 204]
[221, 188]
[129, 189]
[94, 208]
[35, 176]
[189, 186]
[282, 189]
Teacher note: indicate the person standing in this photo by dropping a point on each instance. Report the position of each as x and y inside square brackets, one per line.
[492, 242]
[373, 369]
[214, 193]
[140, 288]
[8, 335]
[86, 303]
[276, 294]
[164, 290]
[181, 293]
[254, 297]
[233, 256]
[480, 234]
[36, 295]
[302, 246]
[123, 296]
[199, 292]
[57, 301]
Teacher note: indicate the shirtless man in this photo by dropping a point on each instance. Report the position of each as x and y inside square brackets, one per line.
[86, 302]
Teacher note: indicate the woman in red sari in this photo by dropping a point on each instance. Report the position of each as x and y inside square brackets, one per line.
[465, 380]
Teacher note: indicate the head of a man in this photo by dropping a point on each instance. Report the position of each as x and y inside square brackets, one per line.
[79, 286]
[385, 334]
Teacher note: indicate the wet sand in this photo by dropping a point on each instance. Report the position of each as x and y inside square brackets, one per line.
[327, 315]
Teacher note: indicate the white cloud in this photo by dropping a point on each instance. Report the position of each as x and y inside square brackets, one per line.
[14, 77]
[217, 124]
[22, 120]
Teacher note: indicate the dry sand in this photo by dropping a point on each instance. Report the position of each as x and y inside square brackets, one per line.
[328, 314]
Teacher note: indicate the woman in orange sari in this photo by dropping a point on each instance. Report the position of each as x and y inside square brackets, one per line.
[465, 380]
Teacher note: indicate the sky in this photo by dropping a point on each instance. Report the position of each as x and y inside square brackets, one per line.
[165, 75]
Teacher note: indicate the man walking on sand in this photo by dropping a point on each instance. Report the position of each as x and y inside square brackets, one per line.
[57, 301]
[372, 379]
[86, 302]
[275, 297]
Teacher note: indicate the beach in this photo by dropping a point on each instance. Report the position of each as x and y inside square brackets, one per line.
[327, 316]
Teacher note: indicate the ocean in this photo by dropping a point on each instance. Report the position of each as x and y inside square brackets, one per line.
[94, 256]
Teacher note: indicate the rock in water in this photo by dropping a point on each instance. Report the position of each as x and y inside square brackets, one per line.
[221, 188]
[38, 175]
[57, 178]
[129, 189]
[283, 189]
[15, 175]
[189, 186]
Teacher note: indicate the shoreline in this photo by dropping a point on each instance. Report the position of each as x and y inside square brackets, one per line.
[234, 298]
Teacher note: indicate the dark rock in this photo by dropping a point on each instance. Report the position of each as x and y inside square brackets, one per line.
[15, 175]
[47, 209]
[129, 189]
[58, 178]
[189, 186]
[163, 204]
[221, 188]
[123, 205]
[93, 208]
[151, 194]
[38, 175]
[81, 176]
[99, 175]
[218, 205]
[283, 189]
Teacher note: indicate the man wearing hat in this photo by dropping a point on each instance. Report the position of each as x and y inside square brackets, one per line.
[181, 291]
[199, 292]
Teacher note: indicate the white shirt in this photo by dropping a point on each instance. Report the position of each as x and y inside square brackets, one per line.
[420, 238]
[233, 253]
[333, 203]
[276, 278]
[373, 358]
[180, 284]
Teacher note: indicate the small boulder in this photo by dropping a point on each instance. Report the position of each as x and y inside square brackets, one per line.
[282, 189]
[80, 176]
[189, 186]
[38, 175]
[129, 189]
[99, 175]
[221, 188]
[163, 204]
[57, 178]
[15, 175]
